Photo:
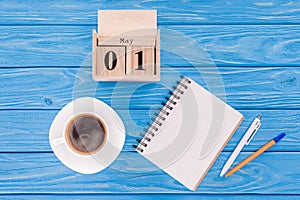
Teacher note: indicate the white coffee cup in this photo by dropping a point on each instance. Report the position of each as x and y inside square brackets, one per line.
[87, 135]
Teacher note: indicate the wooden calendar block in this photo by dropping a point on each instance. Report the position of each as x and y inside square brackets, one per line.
[132, 22]
[140, 61]
[127, 47]
[110, 62]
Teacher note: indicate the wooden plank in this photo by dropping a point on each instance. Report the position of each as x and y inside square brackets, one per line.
[246, 88]
[230, 45]
[27, 130]
[271, 173]
[177, 12]
[146, 196]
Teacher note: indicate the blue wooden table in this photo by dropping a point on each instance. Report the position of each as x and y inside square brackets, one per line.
[254, 43]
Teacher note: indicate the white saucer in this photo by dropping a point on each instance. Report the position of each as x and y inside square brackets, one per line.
[90, 163]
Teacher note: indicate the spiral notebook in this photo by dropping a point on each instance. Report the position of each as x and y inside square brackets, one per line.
[188, 133]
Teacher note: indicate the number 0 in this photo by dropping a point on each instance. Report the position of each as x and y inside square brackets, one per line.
[110, 60]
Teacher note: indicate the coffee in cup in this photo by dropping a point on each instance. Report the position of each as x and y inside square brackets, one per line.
[85, 134]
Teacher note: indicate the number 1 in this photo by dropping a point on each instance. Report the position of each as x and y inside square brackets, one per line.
[140, 60]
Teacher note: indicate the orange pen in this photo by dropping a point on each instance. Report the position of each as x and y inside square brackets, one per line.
[255, 154]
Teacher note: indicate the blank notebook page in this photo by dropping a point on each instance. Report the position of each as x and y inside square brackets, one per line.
[189, 139]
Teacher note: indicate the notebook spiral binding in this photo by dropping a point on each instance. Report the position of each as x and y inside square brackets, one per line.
[158, 120]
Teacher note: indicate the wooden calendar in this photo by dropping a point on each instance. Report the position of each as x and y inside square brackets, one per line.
[127, 46]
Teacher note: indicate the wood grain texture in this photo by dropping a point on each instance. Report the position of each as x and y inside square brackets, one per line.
[231, 45]
[28, 130]
[146, 196]
[245, 88]
[255, 43]
[177, 12]
[271, 173]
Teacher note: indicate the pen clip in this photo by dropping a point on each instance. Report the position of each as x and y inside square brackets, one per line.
[253, 134]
